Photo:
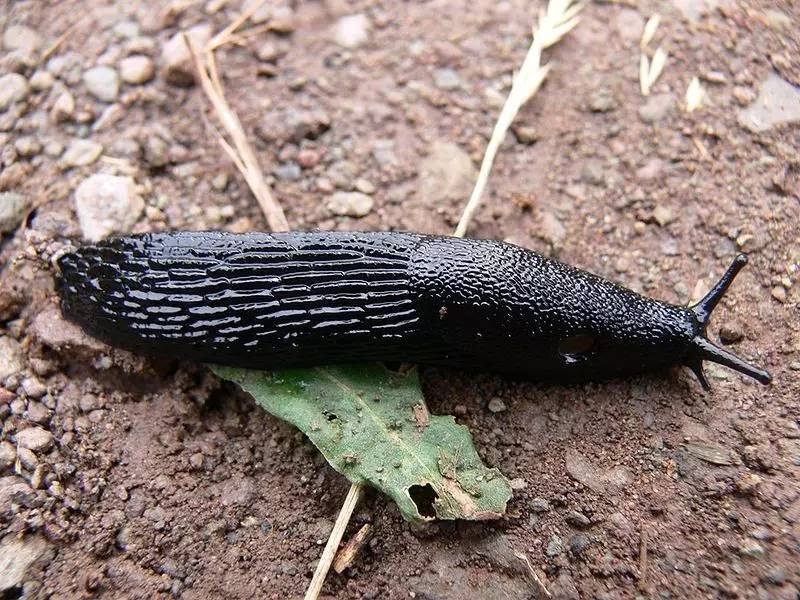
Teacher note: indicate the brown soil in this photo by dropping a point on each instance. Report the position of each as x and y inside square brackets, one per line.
[163, 482]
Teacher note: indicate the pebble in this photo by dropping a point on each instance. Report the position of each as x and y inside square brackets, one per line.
[365, 186]
[33, 388]
[102, 82]
[42, 80]
[10, 357]
[578, 543]
[526, 134]
[663, 215]
[136, 69]
[751, 549]
[779, 293]
[22, 38]
[350, 204]
[496, 405]
[37, 412]
[28, 146]
[17, 555]
[447, 173]
[288, 172]
[540, 505]
[13, 207]
[593, 172]
[778, 103]
[13, 88]
[81, 153]
[63, 108]
[27, 458]
[629, 24]
[602, 101]
[555, 546]
[594, 477]
[176, 59]
[107, 204]
[578, 519]
[269, 52]
[730, 334]
[293, 125]
[7, 455]
[352, 31]
[657, 107]
[35, 439]
[446, 79]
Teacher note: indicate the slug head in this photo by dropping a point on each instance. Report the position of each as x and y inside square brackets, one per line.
[702, 349]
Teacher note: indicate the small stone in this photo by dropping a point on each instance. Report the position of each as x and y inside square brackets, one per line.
[593, 172]
[602, 101]
[526, 134]
[196, 460]
[13, 207]
[629, 24]
[651, 170]
[13, 88]
[102, 82]
[17, 555]
[107, 204]
[176, 58]
[779, 293]
[269, 52]
[578, 543]
[42, 80]
[262, 14]
[446, 79]
[777, 20]
[22, 38]
[156, 152]
[7, 455]
[730, 334]
[27, 458]
[308, 158]
[282, 19]
[10, 357]
[352, 31]
[293, 125]
[220, 182]
[663, 215]
[28, 146]
[540, 505]
[82, 153]
[33, 388]
[578, 519]
[777, 103]
[446, 174]
[657, 107]
[555, 546]
[776, 576]
[136, 69]
[288, 172]
[63, 108]
[35, 439]
[496, 405]
[365, 186]
[37, 412]
[350, 204]
[751, 549]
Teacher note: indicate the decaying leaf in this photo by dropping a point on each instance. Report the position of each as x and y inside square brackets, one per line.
[372, 425]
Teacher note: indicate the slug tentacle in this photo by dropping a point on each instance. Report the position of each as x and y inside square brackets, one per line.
[703, 349]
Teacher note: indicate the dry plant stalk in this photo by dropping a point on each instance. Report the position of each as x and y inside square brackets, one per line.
[347, 555]
[554, 23]
[650, 69]
[238, 148]
[536, 579]
[350, 502]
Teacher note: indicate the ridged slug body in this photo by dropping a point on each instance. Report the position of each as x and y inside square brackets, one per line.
[300, 299]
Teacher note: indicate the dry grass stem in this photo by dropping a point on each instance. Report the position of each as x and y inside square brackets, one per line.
[237, 146]
[536, 579]
[350, 502]
[349, 552]
[695, 95]
[559, 19]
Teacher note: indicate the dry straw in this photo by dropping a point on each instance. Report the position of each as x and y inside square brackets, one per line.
[554, 23]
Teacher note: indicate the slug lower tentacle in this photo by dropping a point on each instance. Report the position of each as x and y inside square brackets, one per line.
[307, 298]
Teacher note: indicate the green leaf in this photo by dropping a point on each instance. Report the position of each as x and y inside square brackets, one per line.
[372, 425]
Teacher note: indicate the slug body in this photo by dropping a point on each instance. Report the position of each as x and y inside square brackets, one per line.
[300, 299]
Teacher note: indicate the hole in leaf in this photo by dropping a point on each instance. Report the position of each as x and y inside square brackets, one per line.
[423, 496]
[329, 415]
[576, 346]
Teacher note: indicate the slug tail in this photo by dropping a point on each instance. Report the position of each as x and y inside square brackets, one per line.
[704, 349]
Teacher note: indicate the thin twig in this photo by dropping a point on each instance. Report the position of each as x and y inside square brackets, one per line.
[536, 579]
[561, 16]
[643, 558]
[238, 148]
[350, 502]
[348, 553]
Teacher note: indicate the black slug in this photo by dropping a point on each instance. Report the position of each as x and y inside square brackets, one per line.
[300, 299]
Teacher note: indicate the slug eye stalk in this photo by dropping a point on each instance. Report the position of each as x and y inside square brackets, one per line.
[703, 349]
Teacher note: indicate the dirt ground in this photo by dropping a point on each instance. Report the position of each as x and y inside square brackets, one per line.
[143, 479]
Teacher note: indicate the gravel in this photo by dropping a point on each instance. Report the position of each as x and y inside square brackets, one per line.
[107, 204]
[446, 174]
[10, 357]
[778, 103]
[81, 153]
[352, 31]
[657, 108]
[102, 82]
[13, 207]
[136, 69]
[63, 108]
[13, 88]
[496, 405]
[35, 439]
[350, 204]
[176, 58]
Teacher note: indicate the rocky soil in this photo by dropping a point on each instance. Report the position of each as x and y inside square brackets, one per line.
[122, 477]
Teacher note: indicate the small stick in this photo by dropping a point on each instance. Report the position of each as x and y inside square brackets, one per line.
[561, 16]
[346, 556]
[350, 502]
[643, 558]
[536, 579]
